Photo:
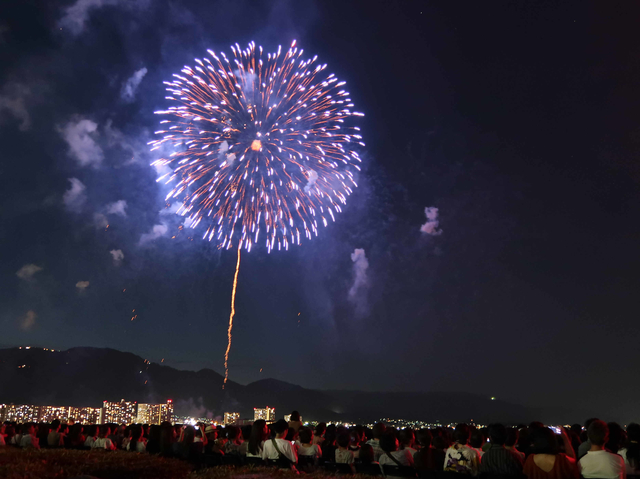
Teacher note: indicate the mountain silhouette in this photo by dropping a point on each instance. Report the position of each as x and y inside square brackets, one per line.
[87, 376]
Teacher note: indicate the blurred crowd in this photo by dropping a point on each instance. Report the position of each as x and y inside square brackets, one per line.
[595, 450]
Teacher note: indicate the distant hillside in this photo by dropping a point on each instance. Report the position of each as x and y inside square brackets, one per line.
[87, 376]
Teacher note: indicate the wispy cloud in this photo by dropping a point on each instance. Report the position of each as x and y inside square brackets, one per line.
[75, 196]
[431, 226]
[129, 87]
[357, 292]
[80, 136]
[27, 271]
[12, 100]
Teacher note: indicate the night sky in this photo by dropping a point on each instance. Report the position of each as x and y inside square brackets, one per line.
[518, 121]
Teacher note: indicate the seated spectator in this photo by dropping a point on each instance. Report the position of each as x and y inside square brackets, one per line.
[186, 447]
[234, 441]
[259, 434]
[166, 439]
[428, 458]
[391, 455]
[355, 439]
[292, 435]
[377, 432]
[307, 447]
[3, 428]
[28, 438]
[318, 437]
[631, 451]
[103, 441]
[617, 437]
[546, 461]
[407, 440]
[127, 438]
[329, 445]
[460, 457]
[477, 441]
[153, 443]
[498, 459]
[295, 421]
[343, 455]
[367, 455]
[599, 463]
[586, 445]
[54, 439]
[117, 435]
[279, 448]
[137, 443]
[512, 440]
[91, 436]
[75, 439]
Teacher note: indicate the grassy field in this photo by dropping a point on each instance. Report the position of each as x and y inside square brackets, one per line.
[62, 464]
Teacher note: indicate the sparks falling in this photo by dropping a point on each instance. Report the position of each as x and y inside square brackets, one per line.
[259, 145]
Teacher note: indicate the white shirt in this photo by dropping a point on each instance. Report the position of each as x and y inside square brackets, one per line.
[260, 449]
[29, 440]
[344, 456]
[103, 443]
[403, 456]
[602, 465]
[313, 450]
[270, 452]
[88, 442]
[630, 470]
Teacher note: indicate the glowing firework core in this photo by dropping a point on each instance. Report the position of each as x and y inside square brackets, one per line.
[285, 184]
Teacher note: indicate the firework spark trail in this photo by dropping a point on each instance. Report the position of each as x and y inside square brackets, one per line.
[233, 312]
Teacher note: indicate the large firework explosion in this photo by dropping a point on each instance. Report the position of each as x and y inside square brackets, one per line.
[261, 146]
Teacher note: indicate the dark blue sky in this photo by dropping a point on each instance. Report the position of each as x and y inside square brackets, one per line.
[517, 121]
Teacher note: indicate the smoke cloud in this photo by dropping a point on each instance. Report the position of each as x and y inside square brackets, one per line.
[100, 221]
[156, 232]
[76, 15]
[27, 271]
[117, 208]
[129, 87]
[117, 255]
[28, 320]
[79, 135]
[12, 100]
[357, 292]
[431, 226]
[313, 177]
[75, 196]
[82, 285]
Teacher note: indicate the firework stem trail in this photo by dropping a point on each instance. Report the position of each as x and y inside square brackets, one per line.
[233, 312]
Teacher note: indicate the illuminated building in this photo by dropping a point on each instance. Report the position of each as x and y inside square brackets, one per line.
[21, 413]
[231, 418]
[123, 412]
[267, 413]
[85, 415]
[154, 413]
[49, 413]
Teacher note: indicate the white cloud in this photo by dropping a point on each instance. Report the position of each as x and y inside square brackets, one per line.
[129, 87]
[156, 232]
[431, 226]
[12, 100]
[357, 292]
[79, 135]
[117, 255]
[117, 208]
[74, 197]
[82, 285]
[27, 271]
[28, 320]
[313, 177]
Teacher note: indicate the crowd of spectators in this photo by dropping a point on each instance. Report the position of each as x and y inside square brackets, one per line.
[596, 451]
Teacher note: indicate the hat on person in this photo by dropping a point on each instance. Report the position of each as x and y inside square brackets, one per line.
[209, 429]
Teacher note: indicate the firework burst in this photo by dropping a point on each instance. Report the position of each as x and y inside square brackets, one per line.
[264, 146]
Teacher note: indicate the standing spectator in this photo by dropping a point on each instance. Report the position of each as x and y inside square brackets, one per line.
[391, 455]
[295, 421]
[498, 459]
[428, 458]
[460, 457]
[599, 463]
[546, 461]
[377, 432]
[279, 447]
